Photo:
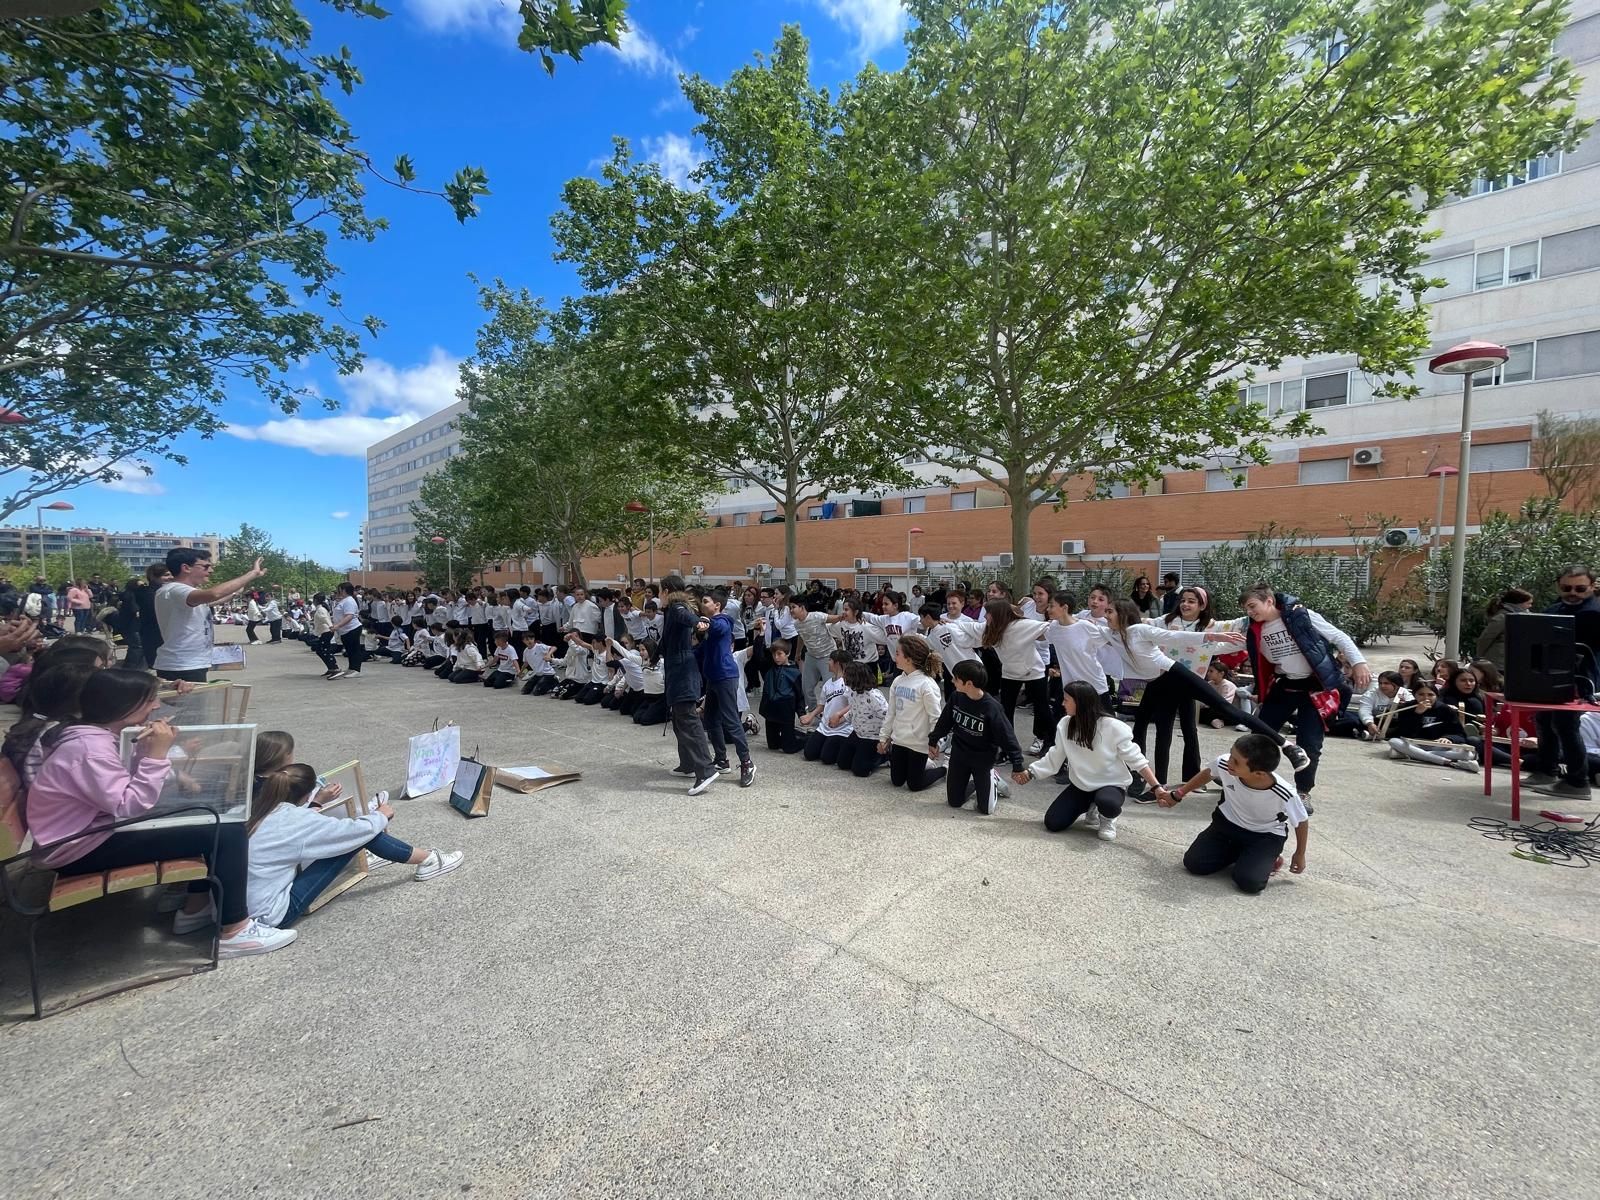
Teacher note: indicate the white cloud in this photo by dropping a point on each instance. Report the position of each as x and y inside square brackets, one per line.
[339, 516]
[676, 156]
[380, 399]
[638, 50]
[874, 23]
[467, 16]
[134, 481]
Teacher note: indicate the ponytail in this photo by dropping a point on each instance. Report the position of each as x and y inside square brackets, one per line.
[920, 655]
[292, 783]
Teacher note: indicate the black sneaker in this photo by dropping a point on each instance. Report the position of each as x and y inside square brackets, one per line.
[683, 770]
[1137, 787]
[1298, 758]
[723, 766]
[747, 773]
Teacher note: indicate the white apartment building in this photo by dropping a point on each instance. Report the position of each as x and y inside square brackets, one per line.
[396, 468]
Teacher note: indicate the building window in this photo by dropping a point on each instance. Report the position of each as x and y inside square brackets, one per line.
[740, 520]
[770, 514]
[1575, 250]
[1542, 167]
[1518, 368]
[1119, 491]
[1502, 456]
[1325, 470]
[1223, 481]
[960, 500]
[1571, 354]
[1507, 265]
[916, 504]
[814, 513]
[1327, 391]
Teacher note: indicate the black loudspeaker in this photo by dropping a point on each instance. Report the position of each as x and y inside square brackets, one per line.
[1541, 655]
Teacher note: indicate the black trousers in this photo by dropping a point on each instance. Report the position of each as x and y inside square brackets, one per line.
[322, 644]
[784, 737]
[1163, 703]
[499, 679]
[276, 627]
[821, 748]
[1074, 802]
[651, 710]
[1291, 699]
[860, 756]
[131, 847]
[250, 628]
[910, 767]
[464, 676]
[480, 636]
[539, 685]
[1561, 747]
[353, 652]
[1044, 725]
[965, 770]
[1223, 844]
[694, 749]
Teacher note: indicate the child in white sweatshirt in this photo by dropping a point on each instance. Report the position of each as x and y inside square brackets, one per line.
[296, 852]
[915, 702]
[1100, 753]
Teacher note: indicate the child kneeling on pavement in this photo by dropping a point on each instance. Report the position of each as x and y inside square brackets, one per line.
[1099, 752]
[1251, 824]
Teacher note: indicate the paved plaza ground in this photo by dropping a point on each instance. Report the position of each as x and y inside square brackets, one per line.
[825, 987]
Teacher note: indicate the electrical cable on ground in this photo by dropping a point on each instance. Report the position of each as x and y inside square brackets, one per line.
[1546, 843]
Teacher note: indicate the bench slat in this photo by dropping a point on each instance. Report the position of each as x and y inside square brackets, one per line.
[183, 870]
[76, 889]
[127, 879]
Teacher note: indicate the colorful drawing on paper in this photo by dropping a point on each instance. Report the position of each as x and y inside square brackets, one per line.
[433, 759]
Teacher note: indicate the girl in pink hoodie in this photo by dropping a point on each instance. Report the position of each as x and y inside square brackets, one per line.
[83, 787]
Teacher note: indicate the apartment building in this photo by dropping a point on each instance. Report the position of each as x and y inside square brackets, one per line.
[1520, 259]
[136, 550]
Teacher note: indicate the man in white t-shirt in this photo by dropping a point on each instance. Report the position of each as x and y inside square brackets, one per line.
[347, 628]
[183, 611]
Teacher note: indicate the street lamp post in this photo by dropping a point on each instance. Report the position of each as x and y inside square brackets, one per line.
[910, 533]
[449, 559]
[362, 566]
[1465, 360]
[39, 511]
[634, 506]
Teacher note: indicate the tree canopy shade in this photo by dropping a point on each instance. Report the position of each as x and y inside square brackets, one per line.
[559, 438]
[1095, 216]
[174, 173]
[740, 296]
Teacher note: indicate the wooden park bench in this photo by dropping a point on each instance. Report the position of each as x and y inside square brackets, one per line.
[33, 891]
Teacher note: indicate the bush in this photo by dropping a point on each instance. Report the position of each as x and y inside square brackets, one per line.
[1368, 594]
[1526, 550]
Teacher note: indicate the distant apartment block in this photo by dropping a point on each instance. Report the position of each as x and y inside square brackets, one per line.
[135, 550]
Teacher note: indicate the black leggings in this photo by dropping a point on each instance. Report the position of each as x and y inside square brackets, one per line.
[1074, 802]
[859, 756]
[1164, 702]
[499, 679]
[1182, 685]
[965, 770]
[910, 767]
[1044, 727]
[652, 710]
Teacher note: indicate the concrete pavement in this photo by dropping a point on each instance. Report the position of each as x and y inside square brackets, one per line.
[824, 987]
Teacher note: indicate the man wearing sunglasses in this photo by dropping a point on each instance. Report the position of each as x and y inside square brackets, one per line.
[1560, 738]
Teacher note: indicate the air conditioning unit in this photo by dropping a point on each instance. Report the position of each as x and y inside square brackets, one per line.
[697, 570]
[1072, 546]
[863, 564]
[1398, 539]
[1367, 456]
[917, 564]
[752, 572]
[1006, 560]
[763, 569]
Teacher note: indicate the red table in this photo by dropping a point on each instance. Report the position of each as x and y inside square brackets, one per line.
[1494, 701]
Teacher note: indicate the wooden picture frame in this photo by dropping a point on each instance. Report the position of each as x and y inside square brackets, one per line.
[351, 803]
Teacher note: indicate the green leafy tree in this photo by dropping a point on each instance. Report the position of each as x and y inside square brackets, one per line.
[1095, 217]
[560, 438]
[174, 175]
[284, 572]
[446, 508]
[1568, 459]
[740, 294]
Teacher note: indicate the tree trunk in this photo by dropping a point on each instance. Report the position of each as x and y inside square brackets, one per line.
[1021, 515]
[791, 517]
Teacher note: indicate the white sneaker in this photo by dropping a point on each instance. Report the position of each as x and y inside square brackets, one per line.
[1091, 819]
[183, 923]
[999, 785]
[438, 862]
[255, 938]
[1242, 728]
[377, 799]
[1108, 829]
[172, 898]
[1036, 746]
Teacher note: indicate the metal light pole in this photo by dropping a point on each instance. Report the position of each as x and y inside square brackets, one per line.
[362, 566]
[634, 506]
[39, 511]
[910, 533]
[1465, 360]
[449, 559]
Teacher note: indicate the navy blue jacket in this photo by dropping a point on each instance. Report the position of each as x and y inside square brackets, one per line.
[1297, 620]
[677, 653]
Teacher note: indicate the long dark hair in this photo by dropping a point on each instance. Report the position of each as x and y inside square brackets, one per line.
[1128, 615]
[1085, 719]
[108, 696]
[1000, 613]
[53, 695]
[288, 784]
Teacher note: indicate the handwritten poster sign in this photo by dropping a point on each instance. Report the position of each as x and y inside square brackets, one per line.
[433, 760]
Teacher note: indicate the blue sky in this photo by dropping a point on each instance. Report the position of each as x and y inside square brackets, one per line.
[446, 85]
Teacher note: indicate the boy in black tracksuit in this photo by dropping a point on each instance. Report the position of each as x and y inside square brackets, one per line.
[782, 698]
[978, 722]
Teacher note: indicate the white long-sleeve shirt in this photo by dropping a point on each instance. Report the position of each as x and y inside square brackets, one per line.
[290, 838]
[915, 702]
[519, 614]
[1018, 649]
[1372, 703]
[1143, 648]
[955, 641]
[1077, 648]
[1108, 763]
